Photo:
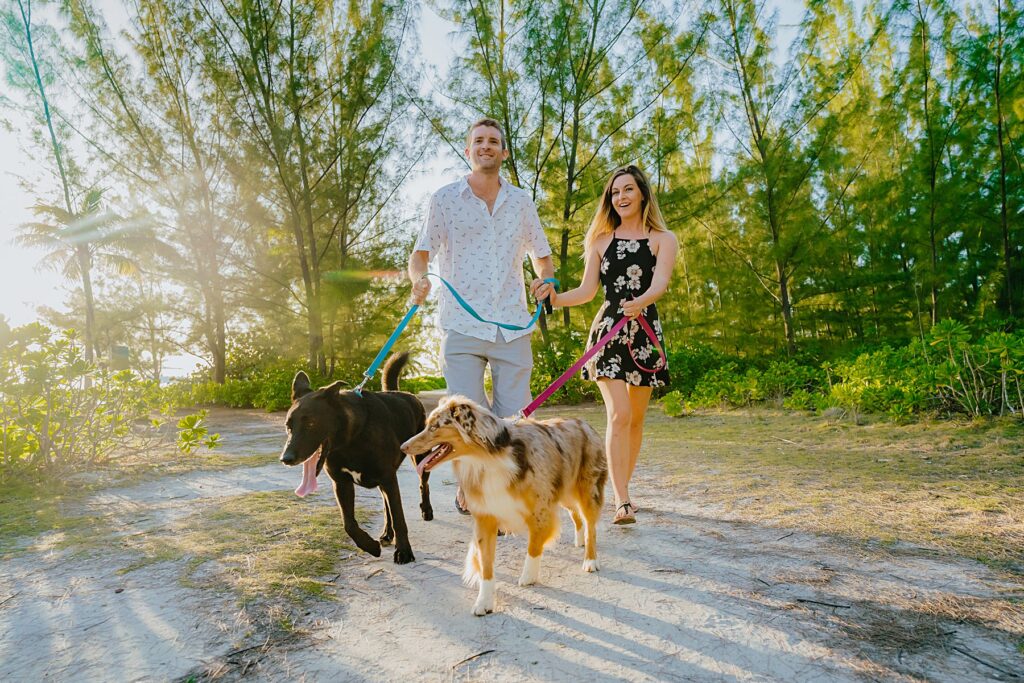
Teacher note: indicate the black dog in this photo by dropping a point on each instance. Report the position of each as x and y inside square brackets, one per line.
[359, 438]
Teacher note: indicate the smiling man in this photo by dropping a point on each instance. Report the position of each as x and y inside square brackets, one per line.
[478, 232]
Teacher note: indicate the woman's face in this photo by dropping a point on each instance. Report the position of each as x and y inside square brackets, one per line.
[627, 200]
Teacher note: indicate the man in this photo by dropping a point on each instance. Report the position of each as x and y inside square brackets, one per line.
[478, 231]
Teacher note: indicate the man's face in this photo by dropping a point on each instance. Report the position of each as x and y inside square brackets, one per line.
[484, 149]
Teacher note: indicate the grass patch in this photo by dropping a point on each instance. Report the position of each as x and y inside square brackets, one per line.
[952, 486]
[137, 469]
[33, 507]
[261, 545]
[30, 508]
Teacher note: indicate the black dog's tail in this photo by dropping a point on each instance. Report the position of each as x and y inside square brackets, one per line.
[392, 369]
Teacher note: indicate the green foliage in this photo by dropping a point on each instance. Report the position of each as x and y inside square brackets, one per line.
[262, 380]
[60, 413]
[672, 403]
[689, 362]
[415, 385]
[268, 388]
[554, 358]
[193, 433]
[954, 371]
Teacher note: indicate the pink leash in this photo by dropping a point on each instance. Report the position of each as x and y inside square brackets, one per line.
[557, 384]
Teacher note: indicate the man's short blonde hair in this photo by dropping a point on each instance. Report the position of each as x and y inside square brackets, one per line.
[490, 123]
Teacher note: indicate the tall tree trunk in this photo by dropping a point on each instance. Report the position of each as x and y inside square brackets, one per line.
[85, 266]
[932, 168]
[1004, 221]
[25, 8]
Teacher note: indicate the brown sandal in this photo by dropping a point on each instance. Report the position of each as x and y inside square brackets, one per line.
[625, 514]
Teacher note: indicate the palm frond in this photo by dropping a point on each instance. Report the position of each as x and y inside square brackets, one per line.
[119, 263]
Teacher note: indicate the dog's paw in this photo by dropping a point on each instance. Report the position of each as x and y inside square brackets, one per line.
[404, 556]
[531, 571]
[427, 513]
[485, 599]
[481, 611]
[370, 546]
[591, 565]
[387, 538]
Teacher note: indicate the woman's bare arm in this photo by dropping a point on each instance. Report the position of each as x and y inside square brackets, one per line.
[591, 279]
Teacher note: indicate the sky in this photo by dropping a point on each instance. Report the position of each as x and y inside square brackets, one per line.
[24, 285]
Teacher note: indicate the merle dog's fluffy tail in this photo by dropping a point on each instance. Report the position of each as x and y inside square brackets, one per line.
[392, 369]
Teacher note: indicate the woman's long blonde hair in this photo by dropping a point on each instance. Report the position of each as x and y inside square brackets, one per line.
[607, 219]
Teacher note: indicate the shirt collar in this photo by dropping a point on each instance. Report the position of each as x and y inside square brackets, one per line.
[466, 191]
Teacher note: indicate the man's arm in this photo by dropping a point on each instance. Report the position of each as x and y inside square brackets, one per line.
[418, 262]
[545, 268]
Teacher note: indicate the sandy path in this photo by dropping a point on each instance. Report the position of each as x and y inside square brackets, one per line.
[682, 595]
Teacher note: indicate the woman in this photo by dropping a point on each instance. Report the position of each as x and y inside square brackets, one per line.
[630, 252]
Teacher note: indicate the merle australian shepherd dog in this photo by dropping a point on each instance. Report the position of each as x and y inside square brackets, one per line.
[358, 438]
[515, 475]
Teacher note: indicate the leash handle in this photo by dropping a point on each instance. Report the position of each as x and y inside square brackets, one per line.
[662, 362]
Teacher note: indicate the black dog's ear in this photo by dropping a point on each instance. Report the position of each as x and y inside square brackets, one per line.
[300, 385]
[335, 387]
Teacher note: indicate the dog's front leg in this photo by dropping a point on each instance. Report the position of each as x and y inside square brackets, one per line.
[426, 509]
[344, 491]
[485, 530]
[388, 535]
[541, 529]
[393, 498]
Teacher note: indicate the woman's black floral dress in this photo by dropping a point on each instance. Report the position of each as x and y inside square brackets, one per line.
[627, 269]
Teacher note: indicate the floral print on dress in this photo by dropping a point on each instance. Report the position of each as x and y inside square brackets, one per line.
[626, 247]
[633, 273]
[627, 269]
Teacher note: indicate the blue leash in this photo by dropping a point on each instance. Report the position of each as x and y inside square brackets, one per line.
[382, 354]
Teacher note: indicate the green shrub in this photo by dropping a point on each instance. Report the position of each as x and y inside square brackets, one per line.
[781, 379]
[800, 399]
[726, 386]
[415, 385]
[60, 413]
[269, 386]
[688, 363]
[672, 403]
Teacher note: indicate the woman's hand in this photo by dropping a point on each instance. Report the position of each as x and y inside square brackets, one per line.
[632, 308]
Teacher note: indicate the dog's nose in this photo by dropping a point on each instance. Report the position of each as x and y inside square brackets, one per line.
[288, 457]
[405, 447]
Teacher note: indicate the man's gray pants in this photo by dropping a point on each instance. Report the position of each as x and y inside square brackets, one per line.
[464, 359]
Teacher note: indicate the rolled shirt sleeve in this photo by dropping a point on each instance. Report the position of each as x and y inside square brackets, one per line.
[432, 234]
[536, 241]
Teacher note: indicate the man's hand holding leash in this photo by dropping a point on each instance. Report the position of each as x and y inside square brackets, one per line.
[420, 290]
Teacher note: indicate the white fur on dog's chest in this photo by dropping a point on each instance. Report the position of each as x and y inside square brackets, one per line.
[487, 492]
[355, 475]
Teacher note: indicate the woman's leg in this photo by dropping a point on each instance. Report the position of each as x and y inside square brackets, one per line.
[616, 442]
[639, 399]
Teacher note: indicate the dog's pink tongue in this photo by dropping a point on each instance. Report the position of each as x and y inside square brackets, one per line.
[308, 484]
[427, 460]
[422, 466]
